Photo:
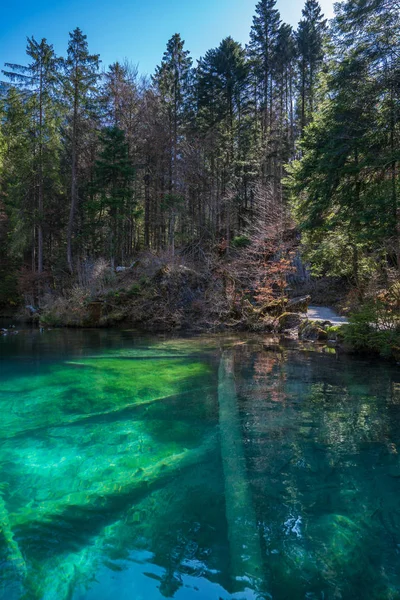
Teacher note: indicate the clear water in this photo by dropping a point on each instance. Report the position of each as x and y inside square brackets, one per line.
[211, 468]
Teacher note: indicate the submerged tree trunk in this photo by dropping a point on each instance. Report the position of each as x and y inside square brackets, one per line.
[14, 555]
[244, 537]
[129, 484]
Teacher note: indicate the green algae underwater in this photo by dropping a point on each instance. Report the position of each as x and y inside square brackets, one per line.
[207, 468]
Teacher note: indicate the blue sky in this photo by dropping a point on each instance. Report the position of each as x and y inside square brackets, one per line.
[133, 29]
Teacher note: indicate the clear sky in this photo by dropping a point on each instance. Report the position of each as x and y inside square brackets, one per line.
[134, 29]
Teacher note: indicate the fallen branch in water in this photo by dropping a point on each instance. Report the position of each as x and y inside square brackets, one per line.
[104, 494]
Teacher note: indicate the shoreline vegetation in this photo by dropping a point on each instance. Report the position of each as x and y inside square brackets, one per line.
[163, 294]
[222, 195]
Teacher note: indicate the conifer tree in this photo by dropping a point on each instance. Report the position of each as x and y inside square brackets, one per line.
[310, 35]
[263, 37]
[347, 183]
[262, 52]
[80, 76]
[114, 175]
[222, 79]
[38, 80]
[172, 79]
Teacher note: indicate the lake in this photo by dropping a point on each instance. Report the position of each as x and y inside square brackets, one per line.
[200, 468]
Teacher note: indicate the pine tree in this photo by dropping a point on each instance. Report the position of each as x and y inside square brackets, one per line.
[370, 30]
[114, 175]
[262, 52]
[263, 38]
[310, 35]
[222, 87]
[342, 191]
[18, 184]
[172, 79]
[38, 81]
[284, 74]
[79, 84]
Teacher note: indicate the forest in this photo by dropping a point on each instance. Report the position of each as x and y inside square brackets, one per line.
[257, 167]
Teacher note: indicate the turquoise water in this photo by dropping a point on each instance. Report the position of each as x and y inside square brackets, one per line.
[209, 468]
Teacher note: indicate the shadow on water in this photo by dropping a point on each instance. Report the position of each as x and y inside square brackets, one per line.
[195, 469]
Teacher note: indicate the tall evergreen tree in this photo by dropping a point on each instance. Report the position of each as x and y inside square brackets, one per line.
[263, 38]
[172, 79]
[79, 85]
[311, 34]
[114, 175]
[347, 182]
[370, 30]
[38, 80]
[222, 80]
[262, 52]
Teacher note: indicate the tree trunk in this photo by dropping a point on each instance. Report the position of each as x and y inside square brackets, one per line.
[40, 198]
[303, 97]
[73, 185]
[147, 207]
[244, 537]
[396, 207]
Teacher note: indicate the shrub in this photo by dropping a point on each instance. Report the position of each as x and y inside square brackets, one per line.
[69, 311]
[374, 327]
[134, 290]
[240, 241]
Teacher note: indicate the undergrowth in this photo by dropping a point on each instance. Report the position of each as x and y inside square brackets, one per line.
[375, 326]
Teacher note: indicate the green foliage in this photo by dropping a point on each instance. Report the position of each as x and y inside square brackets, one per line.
[263, 36]
[9, 294]
[31, 175]
[310, 38]
[172, 77]
[112, 200]
[240, 241]
[345, 187]
[135, 289]
[80, 70]
[374, 328]
[106, 165]
[332, 254]
[172, 203]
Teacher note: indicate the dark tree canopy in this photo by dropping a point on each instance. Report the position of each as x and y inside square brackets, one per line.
[107, 164]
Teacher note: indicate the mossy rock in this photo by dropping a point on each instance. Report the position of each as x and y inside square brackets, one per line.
[335, 333]
[273, 308]
[299, 304]
[312, 330]
[288, 320]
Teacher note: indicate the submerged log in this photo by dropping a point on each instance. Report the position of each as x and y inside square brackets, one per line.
[79, 419]
[13, 551]
[105, 494]
[244, 537]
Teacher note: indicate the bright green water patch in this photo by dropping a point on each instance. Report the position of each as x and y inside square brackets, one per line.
[212, 468]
